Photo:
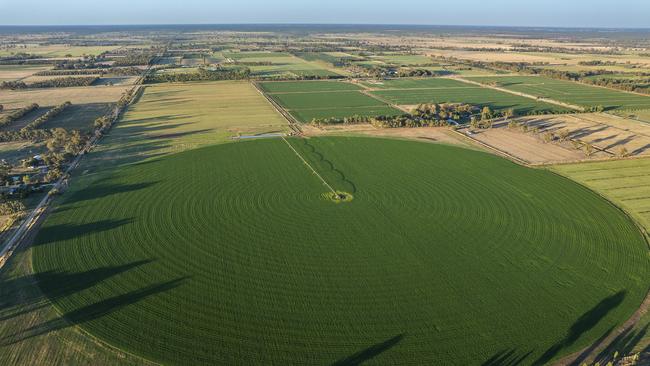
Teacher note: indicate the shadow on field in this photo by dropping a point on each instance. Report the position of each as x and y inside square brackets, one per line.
[586, 322]
[92, 312]
[642, 149]
[369, 353]
[624, 343]
[348, 184]
[179, 134]
[16, 301]
[102, 190]
[506, 358]
[126, 154]
[64, 232]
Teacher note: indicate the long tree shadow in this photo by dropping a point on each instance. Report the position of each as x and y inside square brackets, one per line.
[583, 356]
[101, 190]
[92, 312]
[369, 353]
[586, 322]
[506, 358]
[15, 301]
[624, 344]
[63, 232]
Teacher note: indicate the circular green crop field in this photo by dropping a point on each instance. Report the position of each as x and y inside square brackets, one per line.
[234, 254]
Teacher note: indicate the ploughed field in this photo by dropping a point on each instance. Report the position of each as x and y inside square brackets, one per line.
[233, 254]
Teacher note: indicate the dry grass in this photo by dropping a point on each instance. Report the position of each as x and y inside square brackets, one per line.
[525, 146]
[54, 96]
[604, 131]
[16, 72]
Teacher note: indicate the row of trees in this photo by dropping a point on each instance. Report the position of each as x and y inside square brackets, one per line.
[637, 85]
[51, 83]
[38, 122]
[200, 75]
[118, 71]
[135, 59]
[424, 115]
[17, 114]
[563, 136]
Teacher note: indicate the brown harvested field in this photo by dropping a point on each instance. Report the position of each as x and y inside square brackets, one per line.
[493, 56]
[604, 131]
[19, 72]
[560, 60]
[55, 96]
[526, 146]
[431, 134]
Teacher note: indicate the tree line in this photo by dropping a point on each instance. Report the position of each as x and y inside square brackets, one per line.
[424, 115]
[118, 71]
[51, 83]
[47, 116]
[200, 75]
[135, 59]
[32, 131]
[17, 114]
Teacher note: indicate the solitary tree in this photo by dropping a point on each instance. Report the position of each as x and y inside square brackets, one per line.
[486, 113]
[509, 113]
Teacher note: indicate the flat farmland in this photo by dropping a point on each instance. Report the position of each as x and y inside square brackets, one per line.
[54, 96]
[79, 116]
[174, 117]
[307, 86]
[281, 64]
[569, 92]
[59, 50]
[526, 147]
[404, 60]
[249, 264]
[19, 72]
[168, 118]
[427, 83]
[626, 182]
[601, 130]
[325, 99]
[442, 90]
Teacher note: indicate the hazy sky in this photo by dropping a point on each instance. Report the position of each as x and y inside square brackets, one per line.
[566, 13]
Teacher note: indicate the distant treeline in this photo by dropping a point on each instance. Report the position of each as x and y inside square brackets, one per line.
[51, 83]
[200, 75]
[120, 71]
[135, 59]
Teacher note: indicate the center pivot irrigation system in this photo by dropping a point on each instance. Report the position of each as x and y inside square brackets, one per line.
[333, 194]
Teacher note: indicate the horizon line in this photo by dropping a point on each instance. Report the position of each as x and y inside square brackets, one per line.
[332, 24]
